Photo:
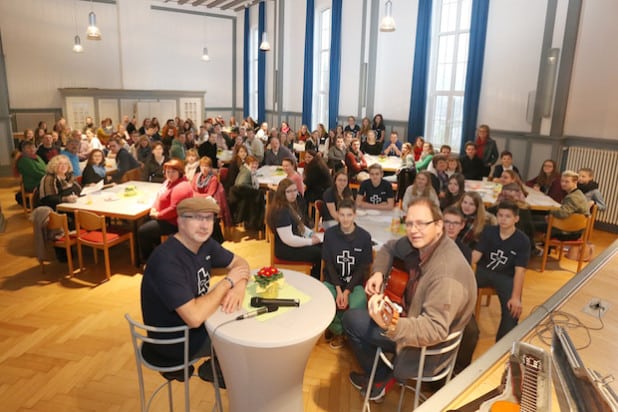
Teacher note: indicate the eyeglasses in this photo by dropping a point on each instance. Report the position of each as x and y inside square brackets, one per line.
[200, 218]
[450, 223]
[419, 225]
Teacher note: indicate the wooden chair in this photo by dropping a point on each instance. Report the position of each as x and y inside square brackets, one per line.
[281, 263]
[98, 236]
[59, 221]
[318, 206]
[133, 174]
[574, 223]
[487, 292]
[27, 198]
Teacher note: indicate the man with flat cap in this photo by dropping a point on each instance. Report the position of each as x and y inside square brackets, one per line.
[176, 287]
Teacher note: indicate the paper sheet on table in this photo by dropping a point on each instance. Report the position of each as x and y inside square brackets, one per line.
[286, 292]
[91, 189]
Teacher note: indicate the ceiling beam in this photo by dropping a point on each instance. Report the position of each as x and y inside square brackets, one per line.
[181, 2]
[243, 6]
[198, 2]
[232, 4]
[215, 3]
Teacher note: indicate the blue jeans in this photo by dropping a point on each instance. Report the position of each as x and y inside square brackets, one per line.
[365, 336]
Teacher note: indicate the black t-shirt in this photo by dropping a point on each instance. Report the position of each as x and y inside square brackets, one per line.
[354, 129]
[374, 150]
[376, 195]
[502, 256]
[174, 276]
[347, 257]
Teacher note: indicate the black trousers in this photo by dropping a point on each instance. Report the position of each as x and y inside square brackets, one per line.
[149, 236]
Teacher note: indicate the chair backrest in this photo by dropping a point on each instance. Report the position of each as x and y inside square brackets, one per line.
[58, 221]
[318, 205]
[139, 335]
[132, 174]
[573, 223]
[593, 217]
[89, 221]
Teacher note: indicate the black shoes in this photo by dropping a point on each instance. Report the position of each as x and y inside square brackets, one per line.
[205, 373]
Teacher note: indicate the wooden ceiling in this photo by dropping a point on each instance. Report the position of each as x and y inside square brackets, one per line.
[235, 5]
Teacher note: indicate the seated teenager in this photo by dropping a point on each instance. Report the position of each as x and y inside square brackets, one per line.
[192, 163]
[455, 191]
[512, 192]
[426, 157]
[371, 146]
[124, 160]
[94, 171]
[471, 165]
[356, 163]
[574, 202]
[506, 163]
[548, 181]
[454, 222]
[406, 173]
[289, 168]
[204, 181]
[501, 257]
[590, 188]
[336, 154]
[392, 147]
[294, 239]
[240, 155]
[163, 213]
[439, 178]
[245, 199]
[420, 188]
[375, 193]
[510, 176]
[347, 255]
[153, 168]
[471, 205]
[452, 165]
[316, 177]
[334, 195]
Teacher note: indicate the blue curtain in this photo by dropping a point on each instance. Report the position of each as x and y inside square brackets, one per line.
[335, 65]
[420, 71]
[474, 73]
[245, 64]
[261, 67]
[308, 78]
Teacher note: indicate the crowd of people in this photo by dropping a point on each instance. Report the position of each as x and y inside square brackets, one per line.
[448, 230]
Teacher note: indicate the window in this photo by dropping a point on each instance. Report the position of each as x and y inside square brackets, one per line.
[321, 68]
[447, 71]
[253, 73]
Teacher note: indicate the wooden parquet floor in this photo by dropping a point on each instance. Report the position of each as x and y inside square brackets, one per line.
[65, 345]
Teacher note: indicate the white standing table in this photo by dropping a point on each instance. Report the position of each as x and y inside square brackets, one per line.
[263, 360]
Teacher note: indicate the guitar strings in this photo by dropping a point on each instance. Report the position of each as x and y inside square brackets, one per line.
[544, 330]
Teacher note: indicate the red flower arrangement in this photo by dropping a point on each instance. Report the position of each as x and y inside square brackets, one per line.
[267, 275]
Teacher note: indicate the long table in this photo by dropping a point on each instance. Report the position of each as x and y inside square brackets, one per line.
[112, 202]
[388, 163]
[490, 190]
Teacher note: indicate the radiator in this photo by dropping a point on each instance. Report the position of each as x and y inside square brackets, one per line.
[605, 166]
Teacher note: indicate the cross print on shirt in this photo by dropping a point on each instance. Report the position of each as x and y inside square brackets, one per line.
[346, 261]
[375, 199]
[497, 258]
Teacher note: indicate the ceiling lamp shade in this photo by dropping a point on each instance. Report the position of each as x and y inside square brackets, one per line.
[205, 56]
[77, 46]
[93, 32]
[388, 22]
[265, 45]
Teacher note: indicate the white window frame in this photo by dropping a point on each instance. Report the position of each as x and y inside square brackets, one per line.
[447, 130]
[321, 57]
[253, 72]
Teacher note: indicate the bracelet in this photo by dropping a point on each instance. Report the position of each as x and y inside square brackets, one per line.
[229, 280]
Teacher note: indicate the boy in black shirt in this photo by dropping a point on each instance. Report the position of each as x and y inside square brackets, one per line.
[471, 165]
[501, 256]
[375, 193]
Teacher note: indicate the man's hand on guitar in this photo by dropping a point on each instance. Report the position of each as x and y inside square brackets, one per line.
[374, 284]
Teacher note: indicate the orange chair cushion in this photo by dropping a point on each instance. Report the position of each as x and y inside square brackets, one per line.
[97, 237]
[71, 235]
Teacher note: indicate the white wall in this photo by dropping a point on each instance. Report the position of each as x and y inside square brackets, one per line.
[293, 55]
[140, 49]
[511, 67]
[395, 59]
[593, 98]
[351, 23]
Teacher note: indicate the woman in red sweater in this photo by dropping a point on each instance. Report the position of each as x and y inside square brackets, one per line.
[163, 213]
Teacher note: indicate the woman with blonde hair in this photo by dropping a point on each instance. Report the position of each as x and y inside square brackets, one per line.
[471, 205]
[192, 163]
[420, 188]
[58, 185]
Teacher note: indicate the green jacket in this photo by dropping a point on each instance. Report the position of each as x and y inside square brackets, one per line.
[31, 170]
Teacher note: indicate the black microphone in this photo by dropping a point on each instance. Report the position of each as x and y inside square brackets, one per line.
[257, 301]
[257, 312]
